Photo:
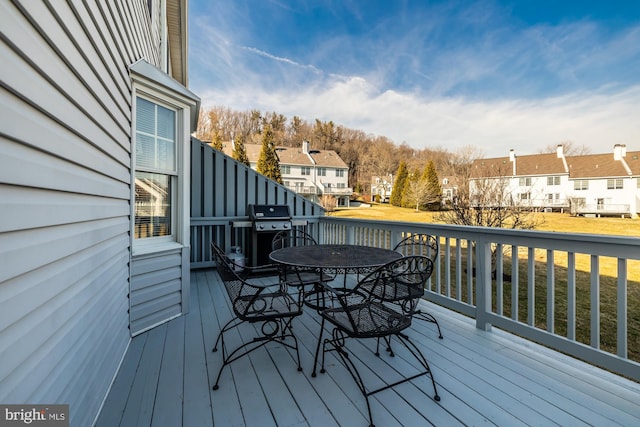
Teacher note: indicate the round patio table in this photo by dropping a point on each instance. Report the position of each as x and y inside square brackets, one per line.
[335, 258]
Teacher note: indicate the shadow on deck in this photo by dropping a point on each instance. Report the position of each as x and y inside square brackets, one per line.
[491, 378]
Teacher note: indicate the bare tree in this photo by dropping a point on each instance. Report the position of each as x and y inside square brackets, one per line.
[420, 192]
[487, 202]
[569, 148]
[328, 202]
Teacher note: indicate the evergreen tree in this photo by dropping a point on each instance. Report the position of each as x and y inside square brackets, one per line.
[433, 198]
[398, 186]
[268, 163]
[216, 141]
[239, 150]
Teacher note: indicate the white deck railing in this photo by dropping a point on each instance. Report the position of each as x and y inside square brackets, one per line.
[571, 287]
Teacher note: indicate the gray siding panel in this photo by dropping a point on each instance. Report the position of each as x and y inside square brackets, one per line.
[156, 289]
[65, 189]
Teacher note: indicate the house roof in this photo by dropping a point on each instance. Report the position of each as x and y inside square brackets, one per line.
[603, 165]
[294, 156]
[176, 11]
[586, 166]
[535, 164]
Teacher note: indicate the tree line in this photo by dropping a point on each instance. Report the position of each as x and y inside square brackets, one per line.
[366, 155]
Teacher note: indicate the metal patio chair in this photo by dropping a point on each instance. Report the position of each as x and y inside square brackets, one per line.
[425, 245]
[271, 305]
[300, 277]
[364, 312]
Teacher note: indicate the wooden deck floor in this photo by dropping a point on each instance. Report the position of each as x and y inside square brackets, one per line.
[484, 378]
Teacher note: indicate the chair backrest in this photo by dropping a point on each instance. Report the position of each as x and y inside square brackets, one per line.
[401, 282]
[419, 244]
[398, 285]
[233, 283]
[293, 237]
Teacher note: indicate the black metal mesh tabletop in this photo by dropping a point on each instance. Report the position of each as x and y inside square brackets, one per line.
[336, 258]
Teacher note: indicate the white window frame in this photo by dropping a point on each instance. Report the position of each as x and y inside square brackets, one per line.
[305, 170]
[340, 173]
[172, 173]
[525, 181]
[180, 184]
[615, 184]
[581, 184]
[553, 180]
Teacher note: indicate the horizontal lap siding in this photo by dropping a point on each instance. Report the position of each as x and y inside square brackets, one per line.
[156, 289]
[65, 197]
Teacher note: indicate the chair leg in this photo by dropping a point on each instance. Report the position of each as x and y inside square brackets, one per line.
[227, 326]
[428, 318]
[415, 351]
[315, 359]
[337, 343]
[257, 342]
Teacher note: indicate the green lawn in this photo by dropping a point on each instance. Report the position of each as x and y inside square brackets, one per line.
[552, 221]
[560, 223]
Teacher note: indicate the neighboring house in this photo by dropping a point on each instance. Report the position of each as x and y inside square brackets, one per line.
[605, 184]
[449, 186]
[94, 187]
[311, 173]
[381, 186]
[602, 184]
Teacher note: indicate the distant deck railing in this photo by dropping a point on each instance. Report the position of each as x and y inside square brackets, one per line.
[571, 287]
[608, 209]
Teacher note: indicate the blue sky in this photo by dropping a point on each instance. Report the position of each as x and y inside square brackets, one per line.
[497, 75]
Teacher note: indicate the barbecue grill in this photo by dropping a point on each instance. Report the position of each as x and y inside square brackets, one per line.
[266, 220]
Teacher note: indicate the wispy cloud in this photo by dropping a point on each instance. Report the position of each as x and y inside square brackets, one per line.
[279, 58]
[445, 78]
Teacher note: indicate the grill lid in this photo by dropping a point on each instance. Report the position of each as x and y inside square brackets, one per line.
[270, 217]
[269, 212]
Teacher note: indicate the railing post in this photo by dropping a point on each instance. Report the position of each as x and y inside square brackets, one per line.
[351, 235]
[483, 284]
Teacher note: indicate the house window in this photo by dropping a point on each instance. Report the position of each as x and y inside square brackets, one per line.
[340, 173]
[524, 196]
[155, 170]
[614, 184]
[305, 170]
[581, 184]
[525, 182]
[553, 180]
[322, 171]
[285, 169]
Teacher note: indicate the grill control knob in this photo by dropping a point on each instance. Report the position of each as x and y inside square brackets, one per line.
[273, 226]
[261, 226]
